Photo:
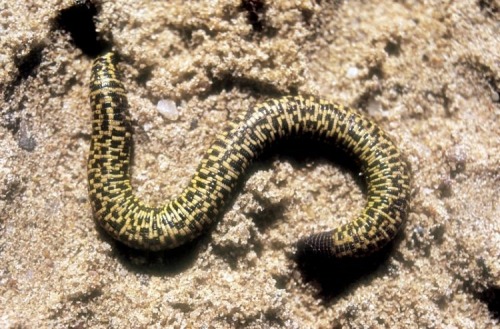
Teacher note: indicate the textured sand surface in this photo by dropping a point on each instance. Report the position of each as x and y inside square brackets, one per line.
[426, 71]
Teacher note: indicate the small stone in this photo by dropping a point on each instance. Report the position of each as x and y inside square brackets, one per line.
[352, 72]
[168, 109]
[495, 97]
[26, 141]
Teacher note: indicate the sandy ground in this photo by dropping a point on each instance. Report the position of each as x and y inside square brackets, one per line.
[426, 71]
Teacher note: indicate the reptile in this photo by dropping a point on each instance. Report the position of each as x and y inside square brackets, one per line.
[128, 219]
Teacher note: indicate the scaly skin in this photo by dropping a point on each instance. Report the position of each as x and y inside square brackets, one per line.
[129, 220]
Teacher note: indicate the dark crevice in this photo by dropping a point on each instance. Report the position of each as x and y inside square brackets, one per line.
[269, 214]
[256, 16]
[307, 16]
[158, 263]
[27, 66]
[256, 11]
[441, 95]
[11, 119]
[228, 82]
[494, 87]
[491, 297]
[87, 296]
[12, 189]
[365, 98]
[335, 277]
[485, 72]
[144, 75]
[488, 7]
[393, 48]
[78, 21]
[376, 71]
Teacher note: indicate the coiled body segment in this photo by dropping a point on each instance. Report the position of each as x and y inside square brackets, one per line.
[185, 217]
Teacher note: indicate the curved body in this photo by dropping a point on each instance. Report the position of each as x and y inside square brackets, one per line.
[187, 216]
